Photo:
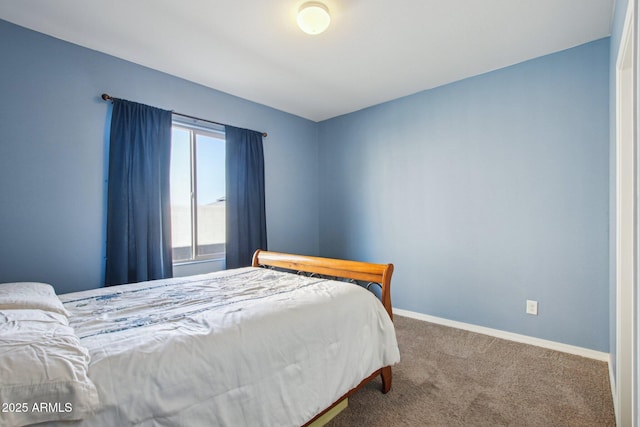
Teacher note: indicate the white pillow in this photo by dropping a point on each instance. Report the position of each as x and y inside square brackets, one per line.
[43, 369]
[30, 295]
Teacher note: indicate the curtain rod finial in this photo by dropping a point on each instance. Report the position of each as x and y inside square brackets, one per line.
[105, 96]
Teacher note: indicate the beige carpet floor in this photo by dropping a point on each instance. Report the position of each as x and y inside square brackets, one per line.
[451, 377]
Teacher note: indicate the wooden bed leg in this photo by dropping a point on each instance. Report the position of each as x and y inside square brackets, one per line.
[385, 373]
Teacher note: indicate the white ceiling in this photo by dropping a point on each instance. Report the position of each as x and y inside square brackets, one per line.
[374, 50]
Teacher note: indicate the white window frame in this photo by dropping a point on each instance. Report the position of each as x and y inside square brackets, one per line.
[196, 127]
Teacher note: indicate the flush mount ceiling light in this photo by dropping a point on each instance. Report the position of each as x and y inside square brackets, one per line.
[313, 17]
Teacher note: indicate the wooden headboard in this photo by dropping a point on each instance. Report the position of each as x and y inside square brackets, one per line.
[355, 270]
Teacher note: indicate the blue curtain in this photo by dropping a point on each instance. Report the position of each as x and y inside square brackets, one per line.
[138, 206]
[246, 220]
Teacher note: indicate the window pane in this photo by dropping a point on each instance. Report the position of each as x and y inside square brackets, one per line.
[210, 176]
[180, 194]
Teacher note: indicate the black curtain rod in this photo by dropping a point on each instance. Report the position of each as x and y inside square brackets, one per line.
[108, 97]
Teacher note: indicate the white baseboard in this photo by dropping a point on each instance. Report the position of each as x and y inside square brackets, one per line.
[525, 339]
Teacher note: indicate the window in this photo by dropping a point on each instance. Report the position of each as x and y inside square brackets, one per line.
[197, 192]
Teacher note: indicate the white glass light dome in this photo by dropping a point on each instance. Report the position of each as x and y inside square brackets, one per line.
[313, 17]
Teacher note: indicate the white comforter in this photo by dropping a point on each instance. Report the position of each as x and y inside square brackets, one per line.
[245, 347]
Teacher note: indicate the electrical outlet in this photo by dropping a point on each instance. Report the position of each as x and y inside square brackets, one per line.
[532, 307]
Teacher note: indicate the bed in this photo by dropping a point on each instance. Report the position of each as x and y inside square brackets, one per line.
[250, 346]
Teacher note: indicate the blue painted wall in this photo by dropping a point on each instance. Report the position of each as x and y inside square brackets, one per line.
[53, 156]
[484, 193]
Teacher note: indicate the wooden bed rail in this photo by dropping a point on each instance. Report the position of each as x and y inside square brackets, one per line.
[356, 270]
